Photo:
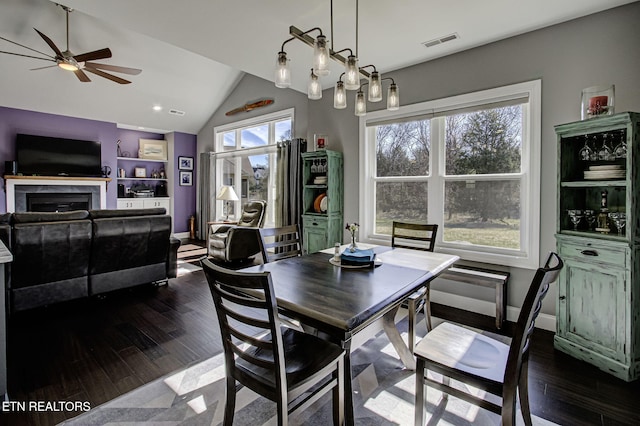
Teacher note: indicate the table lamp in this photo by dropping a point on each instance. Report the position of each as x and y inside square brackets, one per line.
[227, 194]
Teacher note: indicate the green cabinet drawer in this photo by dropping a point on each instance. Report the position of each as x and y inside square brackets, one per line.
[315, 233]
[590, 250]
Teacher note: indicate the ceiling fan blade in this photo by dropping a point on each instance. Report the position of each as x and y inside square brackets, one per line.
[51, 44]
[28, 56]
[93, 56]
[114, 68]
[22, 45]
[107, 75]
[82, 76]
[41, 68]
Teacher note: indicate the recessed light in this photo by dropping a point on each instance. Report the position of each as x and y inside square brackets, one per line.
[157, 108]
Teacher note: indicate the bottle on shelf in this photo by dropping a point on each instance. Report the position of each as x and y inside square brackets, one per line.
[603, 215]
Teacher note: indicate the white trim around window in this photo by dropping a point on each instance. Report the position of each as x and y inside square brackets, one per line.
[528, 94]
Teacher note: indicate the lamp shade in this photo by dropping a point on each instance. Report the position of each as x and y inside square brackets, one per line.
[339, 96]
[283, 73]
[375, 87]
[314, 89]
[351, 73]
[321, 56]
[393, 98]
[227, 193]
[361, 104]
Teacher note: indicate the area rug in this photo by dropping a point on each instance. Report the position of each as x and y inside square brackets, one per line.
[383, 395]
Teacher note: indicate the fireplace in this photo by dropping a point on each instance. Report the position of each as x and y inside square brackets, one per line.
[58, 202]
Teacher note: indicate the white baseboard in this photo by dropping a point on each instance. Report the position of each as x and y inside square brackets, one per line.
[544, 321]
[181, 235]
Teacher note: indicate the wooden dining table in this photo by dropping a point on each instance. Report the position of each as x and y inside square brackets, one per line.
[340, 302]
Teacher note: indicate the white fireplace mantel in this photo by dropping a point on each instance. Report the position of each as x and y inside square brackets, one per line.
[12, 181]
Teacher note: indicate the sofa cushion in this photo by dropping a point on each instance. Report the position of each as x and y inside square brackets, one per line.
[107, 213]
[32, 217]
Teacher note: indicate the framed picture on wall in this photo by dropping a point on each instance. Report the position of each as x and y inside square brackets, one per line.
[185, 163]
[186, 178]
[151, 149]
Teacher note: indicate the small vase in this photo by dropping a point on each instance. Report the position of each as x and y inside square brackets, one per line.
[353, 247]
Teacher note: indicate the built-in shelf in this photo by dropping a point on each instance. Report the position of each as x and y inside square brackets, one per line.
[141, 159]
[135, 178]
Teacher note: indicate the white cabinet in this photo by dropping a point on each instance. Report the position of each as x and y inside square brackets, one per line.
[144, 203]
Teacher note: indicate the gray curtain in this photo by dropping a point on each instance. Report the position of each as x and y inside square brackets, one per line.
[206, 169]
[288, 210]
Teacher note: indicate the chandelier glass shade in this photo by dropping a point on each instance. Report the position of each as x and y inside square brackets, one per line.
[340, 96]
[321, 57]
[314, 88]
[375, 87]
[283, 73]
[351, 73]
[393, 98]
[361, 104]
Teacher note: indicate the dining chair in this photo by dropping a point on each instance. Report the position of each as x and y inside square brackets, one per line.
[291, 368]
[280, 243]
[415, 236]
[482, 362]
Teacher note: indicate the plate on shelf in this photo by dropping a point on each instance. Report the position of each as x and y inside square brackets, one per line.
[376, 262]
[323, 205]
[317, 201]
[606, 167]
[604, 174]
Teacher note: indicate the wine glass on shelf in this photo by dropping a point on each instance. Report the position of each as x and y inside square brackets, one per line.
[575, 216]
[585, 153]
[590, 217]
[620, 220]
[620, 151]
[605, 153]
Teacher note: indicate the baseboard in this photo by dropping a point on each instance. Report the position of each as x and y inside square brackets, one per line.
[544, 321]
[181, 235]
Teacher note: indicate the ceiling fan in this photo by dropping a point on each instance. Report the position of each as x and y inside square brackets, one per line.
[77, 63]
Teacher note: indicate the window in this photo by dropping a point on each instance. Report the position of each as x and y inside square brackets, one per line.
[246, 159]
[469, 163]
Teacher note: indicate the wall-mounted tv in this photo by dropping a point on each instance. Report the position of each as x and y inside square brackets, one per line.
[50, 156]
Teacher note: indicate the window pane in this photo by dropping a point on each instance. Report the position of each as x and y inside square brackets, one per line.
[254, 136]
[484, 142]
[283, 130]
[403, 149]
[228, 168]
[483, 213]
[404, 201]
[229, 139]
[256, 173]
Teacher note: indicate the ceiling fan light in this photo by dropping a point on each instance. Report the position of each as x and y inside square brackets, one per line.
[321, 56]
[361, 104]
[283, 72]
[339, 96]
[393, 98]
[67, 66]
[314, 89]
[351, 73]
[375, 87]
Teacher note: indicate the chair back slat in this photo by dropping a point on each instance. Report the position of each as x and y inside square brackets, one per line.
[280, 243]
[529, 311]
[416, 236]
[247, 314]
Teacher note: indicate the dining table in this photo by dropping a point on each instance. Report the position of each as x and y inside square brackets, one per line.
[340, 301]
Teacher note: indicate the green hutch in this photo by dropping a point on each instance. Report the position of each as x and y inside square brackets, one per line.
[598, 297]
[322, 199]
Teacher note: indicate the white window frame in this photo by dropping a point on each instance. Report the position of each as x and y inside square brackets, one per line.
[237, 127]
[528, 254]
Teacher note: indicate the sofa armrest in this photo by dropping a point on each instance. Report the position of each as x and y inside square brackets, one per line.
[172, 259]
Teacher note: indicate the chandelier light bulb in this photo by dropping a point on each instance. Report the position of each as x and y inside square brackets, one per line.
[283, 73]
[340, 96]
[321, 56]
[393, 98]
[314, 89]
[361, 104]
[351, 73]
[375, 87]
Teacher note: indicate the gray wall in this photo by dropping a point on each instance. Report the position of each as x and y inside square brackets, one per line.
[566, 57]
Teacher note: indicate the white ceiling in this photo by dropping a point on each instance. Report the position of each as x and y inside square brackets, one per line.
[193, 52]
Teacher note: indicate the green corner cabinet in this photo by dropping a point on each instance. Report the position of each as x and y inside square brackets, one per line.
[598, 297]
[322, 199]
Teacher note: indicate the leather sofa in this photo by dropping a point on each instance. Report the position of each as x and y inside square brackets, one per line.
[70, 255]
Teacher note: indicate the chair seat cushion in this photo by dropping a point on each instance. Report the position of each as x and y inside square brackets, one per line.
[457, 347]
[218, 240]
[304, 355]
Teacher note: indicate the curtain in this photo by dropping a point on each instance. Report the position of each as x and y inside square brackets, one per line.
[288, 209]
[206, 178]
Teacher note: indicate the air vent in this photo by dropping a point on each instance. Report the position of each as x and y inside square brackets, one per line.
[440, 40]
[176, 112]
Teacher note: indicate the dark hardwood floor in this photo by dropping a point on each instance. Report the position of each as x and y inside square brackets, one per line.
[97, 349]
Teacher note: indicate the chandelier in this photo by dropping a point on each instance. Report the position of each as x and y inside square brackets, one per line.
[350, 79]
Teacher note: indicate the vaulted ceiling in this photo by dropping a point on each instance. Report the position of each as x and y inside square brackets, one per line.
[193, 52]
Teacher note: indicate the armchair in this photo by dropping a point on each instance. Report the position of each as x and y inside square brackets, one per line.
[241, 240]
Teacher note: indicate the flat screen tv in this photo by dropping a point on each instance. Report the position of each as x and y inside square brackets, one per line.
[50, 156]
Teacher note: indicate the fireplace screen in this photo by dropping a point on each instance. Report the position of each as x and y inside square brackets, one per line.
[61, 202]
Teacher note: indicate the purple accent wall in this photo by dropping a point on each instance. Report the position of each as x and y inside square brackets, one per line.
[14, 121]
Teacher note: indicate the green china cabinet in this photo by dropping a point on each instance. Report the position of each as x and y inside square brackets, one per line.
[598, 237]
[322, 199]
